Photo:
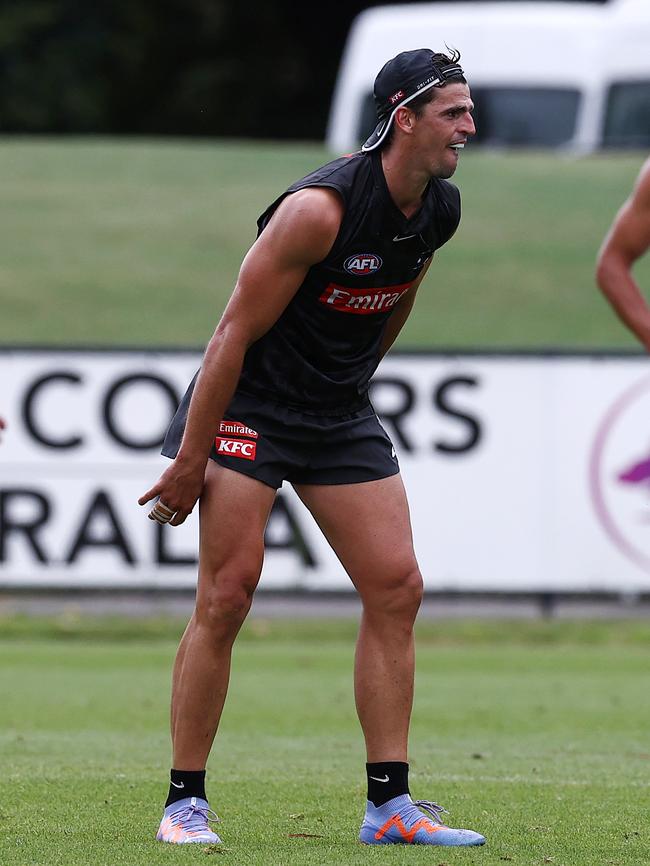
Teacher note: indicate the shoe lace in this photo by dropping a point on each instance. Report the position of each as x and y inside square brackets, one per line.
[193, 815]
[433, 809]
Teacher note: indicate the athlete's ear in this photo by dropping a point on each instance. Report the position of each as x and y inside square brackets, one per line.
[404, 118]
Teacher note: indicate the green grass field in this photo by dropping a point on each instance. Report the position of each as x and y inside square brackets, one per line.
[534, 733]
[139, 242]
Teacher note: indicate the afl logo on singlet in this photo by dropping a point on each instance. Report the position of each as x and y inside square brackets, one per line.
[362, 264]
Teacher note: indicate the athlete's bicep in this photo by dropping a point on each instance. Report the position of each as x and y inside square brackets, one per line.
[300, 234]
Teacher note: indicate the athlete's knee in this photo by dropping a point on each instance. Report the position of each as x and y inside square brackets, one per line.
[407, 595]
[223, 612]
[398, 596]
[224, 601]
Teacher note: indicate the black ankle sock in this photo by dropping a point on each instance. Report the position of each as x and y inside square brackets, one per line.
[186, 783]
[386, 780]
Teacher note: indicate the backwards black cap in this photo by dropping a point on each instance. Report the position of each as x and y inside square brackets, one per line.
[401, 80]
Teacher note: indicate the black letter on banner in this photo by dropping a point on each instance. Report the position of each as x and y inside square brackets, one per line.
[28, 526]
[474, 431]
[144, 444]
[294, 540]
[28, 411]
[100, 506]
[163, 556]
[394, 417]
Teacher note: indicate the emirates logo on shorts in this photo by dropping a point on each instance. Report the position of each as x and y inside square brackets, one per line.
[236, 428]
[362, 264]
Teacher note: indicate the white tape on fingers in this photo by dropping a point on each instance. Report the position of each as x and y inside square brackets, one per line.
[161, 516]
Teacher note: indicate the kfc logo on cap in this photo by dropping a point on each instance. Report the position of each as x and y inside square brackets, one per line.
[396, 97]
[362, 264]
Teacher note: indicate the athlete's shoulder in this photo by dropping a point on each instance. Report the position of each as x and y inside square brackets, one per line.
[307, 219]
[641, 189]
[644, 173]
[339, 173]
[634, 215]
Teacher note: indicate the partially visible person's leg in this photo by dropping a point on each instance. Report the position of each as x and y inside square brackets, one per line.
[368, 526]
[234, 510]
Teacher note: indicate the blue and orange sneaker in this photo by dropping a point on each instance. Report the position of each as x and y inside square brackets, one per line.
[187, 821]
[401, 821]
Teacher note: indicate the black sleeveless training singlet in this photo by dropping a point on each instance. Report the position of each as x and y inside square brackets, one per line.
[320, 354]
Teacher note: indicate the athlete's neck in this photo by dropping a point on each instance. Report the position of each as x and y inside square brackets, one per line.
[406, 184]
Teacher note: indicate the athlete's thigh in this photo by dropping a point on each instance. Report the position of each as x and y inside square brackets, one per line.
[368, 526]
[234, 510]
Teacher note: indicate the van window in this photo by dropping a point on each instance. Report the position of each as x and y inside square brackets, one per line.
[627, 117]
[525, 116]
[510, 116]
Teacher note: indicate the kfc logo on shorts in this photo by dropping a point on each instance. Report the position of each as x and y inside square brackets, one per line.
[235, 447]
[362, 264]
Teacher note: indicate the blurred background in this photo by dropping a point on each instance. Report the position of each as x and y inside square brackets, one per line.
[196, 68]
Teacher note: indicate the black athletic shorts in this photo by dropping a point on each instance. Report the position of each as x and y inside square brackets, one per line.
[273, 443]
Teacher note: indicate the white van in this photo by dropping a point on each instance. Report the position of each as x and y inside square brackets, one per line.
[570, 75]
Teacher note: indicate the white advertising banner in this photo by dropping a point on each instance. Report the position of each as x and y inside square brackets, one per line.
[525, 473]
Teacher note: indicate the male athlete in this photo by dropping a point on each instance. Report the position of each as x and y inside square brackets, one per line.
[627, 240]
[283, 395]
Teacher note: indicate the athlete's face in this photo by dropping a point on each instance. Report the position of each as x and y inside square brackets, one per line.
[443, 127]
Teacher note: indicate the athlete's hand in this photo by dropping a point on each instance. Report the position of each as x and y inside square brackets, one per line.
[177, 489]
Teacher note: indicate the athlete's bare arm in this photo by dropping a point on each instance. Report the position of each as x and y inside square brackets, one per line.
[628, 239]
[400, 313]
[300, 234]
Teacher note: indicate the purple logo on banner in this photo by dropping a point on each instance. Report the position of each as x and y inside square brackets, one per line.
[620, 473]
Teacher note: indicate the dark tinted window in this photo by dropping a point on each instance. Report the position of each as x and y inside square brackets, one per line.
[512, 116]
[627, 120]
[525, 116]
